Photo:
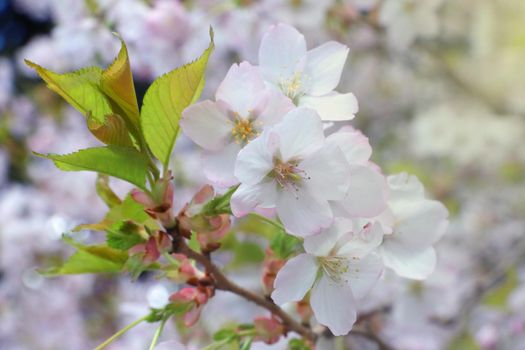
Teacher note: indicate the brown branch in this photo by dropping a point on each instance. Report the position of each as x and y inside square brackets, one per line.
[223, 283]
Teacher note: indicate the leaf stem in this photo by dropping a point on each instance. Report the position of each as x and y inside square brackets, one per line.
[158, 332]
[121, 332]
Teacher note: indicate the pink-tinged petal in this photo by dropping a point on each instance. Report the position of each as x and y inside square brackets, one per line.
[300, 134]
[241, 88]
[333, 305]
[353, 143]
[419, 223]
[192, 317]
[324, 66]
[219, 166]
[326, 173]
[295, 278]
[301, 213]
[255, 160]
[367, 193]
[363, 274]
[407, 263]
[170, 345]
[142, 198]
[247, 197]
[207, 124]
[281, 53]
[333, 106]
[272, 107]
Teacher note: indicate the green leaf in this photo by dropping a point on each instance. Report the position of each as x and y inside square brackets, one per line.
[124, 236]
[105, 192]
[122, 162]
[298, 344]
[117, 83]
[112, 130]
[284, 245]
[79, 88]
[89, 259]
[165, 100]
[497, 298]
[220, 204]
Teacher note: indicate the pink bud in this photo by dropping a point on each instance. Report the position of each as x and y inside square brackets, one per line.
[268, 330]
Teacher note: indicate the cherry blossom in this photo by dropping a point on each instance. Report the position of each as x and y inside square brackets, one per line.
[340, 266]
[293, 170]
[243, 108]
[367, 193]
[412, 225]
[308, 78]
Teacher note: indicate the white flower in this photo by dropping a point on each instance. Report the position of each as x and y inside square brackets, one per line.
[340, 266]
[405, 20]
[367, 193]
[306, 77]
[415, 224]
[243, 108]
[292, 169]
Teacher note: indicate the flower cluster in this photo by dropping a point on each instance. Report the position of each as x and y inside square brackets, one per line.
[268, 133]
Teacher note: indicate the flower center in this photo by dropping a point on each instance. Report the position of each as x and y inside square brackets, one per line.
[335, 267]
[288, 174]
[244, 131]
[292, 88]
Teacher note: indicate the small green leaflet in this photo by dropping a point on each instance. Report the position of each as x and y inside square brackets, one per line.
[123, 162]
[123, 236]
[89, 259]
[165, 100]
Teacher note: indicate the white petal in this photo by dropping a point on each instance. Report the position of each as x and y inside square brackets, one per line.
[333, 106]
[301, 213]
[207, 124]
[419, 223]
[322, 243]
[353, 143]
[333, 305]
[324, 66]
[363, 242]
[295, 278]
[300, 134]
[241, 88]
[255, 160]
[218, 166]
[327, 173]
[409, 264]
[405, 187]
[364, 273]
[272, 107]
[247, 197]
[281, 52]
[367, 193]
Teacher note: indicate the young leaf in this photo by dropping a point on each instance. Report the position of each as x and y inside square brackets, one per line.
[112, 130]
[124, 235]
[90, 259]
[105, 192]
[79, 88]
[122, 162]
[117, 83]
[165, 100]
[283, 245]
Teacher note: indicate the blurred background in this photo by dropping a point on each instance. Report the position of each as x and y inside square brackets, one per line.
[441, 88]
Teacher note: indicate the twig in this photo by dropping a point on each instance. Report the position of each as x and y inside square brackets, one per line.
[223, 283]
